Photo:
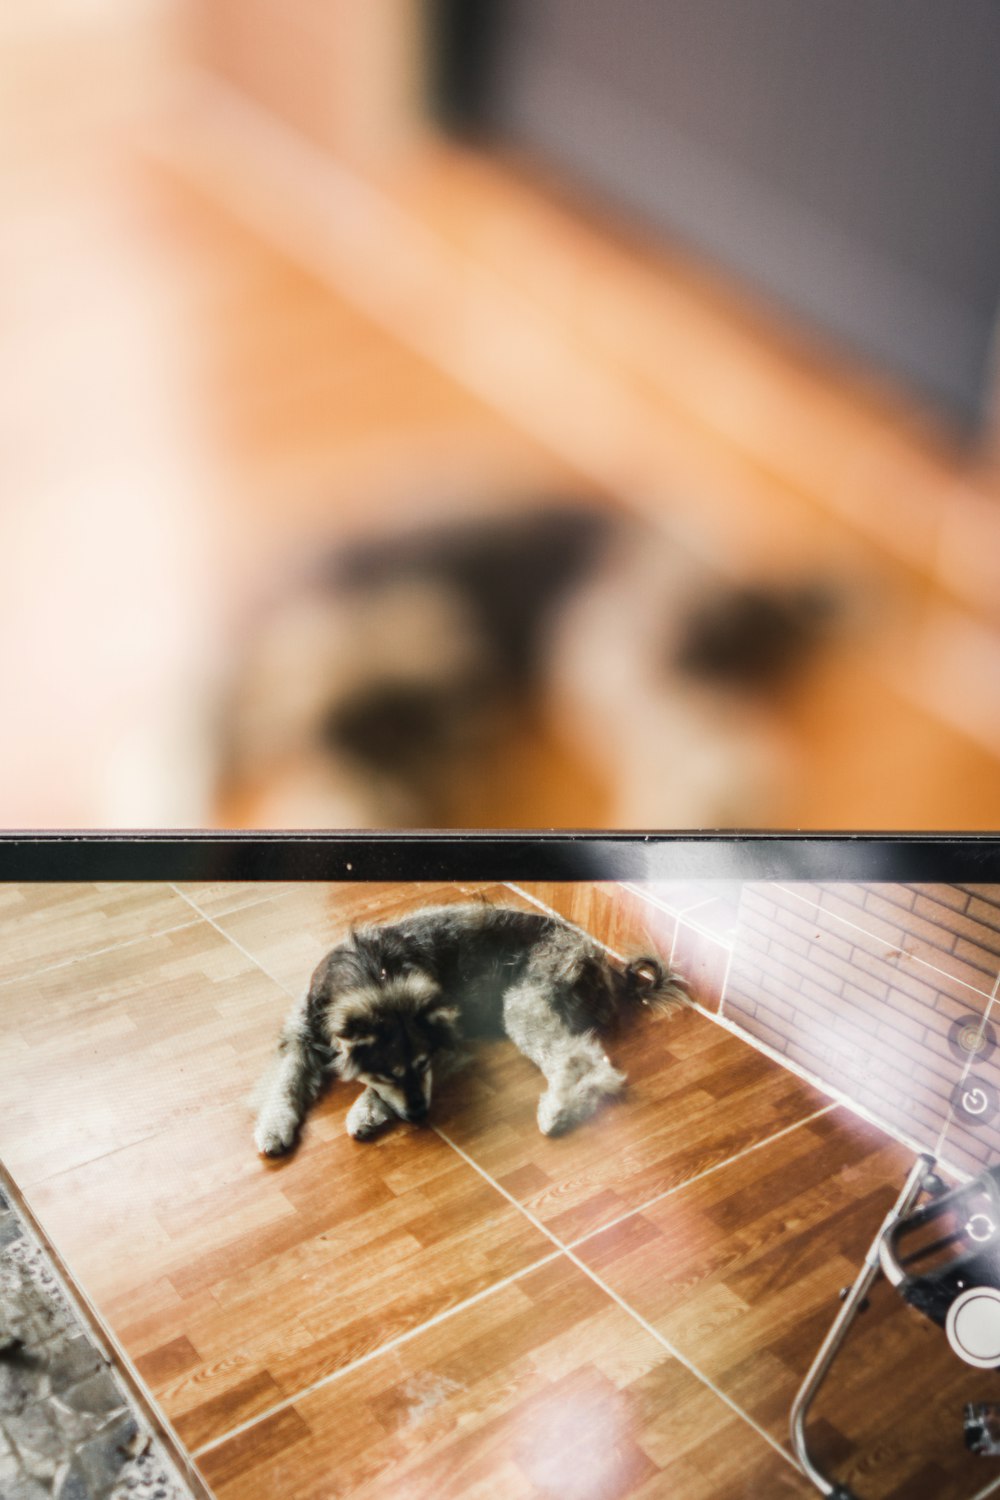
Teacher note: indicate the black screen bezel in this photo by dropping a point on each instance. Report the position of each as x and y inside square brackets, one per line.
[562, 856]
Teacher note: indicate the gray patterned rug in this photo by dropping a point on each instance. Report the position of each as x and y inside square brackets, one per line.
[68, 1428]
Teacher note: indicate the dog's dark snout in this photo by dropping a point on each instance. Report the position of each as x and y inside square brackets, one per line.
[417, 1114]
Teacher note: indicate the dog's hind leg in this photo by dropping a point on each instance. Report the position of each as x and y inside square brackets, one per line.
[578, 1072]
[293, 1084]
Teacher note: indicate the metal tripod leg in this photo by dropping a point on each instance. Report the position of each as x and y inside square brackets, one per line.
[855, 1297]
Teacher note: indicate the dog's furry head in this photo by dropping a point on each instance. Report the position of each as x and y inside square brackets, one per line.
[388, 1020]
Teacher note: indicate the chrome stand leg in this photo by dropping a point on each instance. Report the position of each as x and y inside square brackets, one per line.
[855, 1297]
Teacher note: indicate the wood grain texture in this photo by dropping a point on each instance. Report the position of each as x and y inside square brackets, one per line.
[691, 924]
[670, 1125]
[545, 1388]
[124, 1044]
[45, 925]
[741, 1272]
[695, 1096]
[130, 1131]
[637, 912]
[287, 937]
[627, 925]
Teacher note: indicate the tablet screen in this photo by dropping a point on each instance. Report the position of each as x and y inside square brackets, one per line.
[568, 1146]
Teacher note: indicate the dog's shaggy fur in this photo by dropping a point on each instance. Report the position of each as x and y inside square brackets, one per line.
[389, 671]
[391, 1005]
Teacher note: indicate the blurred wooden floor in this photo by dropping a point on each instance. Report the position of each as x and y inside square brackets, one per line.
[464, 1310]
[209, 360]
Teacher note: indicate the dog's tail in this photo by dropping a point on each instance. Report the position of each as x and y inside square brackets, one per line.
[649, 982]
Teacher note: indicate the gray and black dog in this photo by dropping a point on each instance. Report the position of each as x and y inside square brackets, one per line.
[391, 1006]
[388, 670]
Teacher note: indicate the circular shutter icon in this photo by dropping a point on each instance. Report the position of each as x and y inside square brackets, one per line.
[973, 1327]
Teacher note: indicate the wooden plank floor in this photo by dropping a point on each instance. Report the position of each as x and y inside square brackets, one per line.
[466, 1310]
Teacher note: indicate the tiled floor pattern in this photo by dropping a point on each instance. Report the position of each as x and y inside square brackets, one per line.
[466, 1310]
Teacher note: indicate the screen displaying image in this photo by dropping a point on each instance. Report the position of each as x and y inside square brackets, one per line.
[477, 1187]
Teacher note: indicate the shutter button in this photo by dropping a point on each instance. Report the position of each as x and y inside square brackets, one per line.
[973, 1326]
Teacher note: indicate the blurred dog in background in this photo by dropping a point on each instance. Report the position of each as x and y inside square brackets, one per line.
[389, 667]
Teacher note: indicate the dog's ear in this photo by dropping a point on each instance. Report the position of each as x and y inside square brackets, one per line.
[756, 635]
[348, 1053]
[354, 1030]
[440, 1020]
[347, 1066]
[349, 1032]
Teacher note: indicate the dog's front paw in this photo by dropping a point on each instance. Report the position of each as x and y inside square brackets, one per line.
[275, 1136]
[366, 1116]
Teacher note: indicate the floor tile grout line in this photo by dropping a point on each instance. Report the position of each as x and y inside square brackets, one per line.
[700, 1176]
[682, 1359]
[719, 1019]
[837, 1095]
[990, 1489]
[206, 917]
[52, 1177]
[913, 957]
[89, 1161]
[248, 905]
[598, 1281]
[292, 994]
[682, 914]
[720, 1008]
[387, 1348]
[560, 1248]
[390, 1344]
[81, 958]
[672, 909]
[679, 919]
[684, 998]
[550, 911]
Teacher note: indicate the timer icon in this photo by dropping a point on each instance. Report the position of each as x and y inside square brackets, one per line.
[974, 1101]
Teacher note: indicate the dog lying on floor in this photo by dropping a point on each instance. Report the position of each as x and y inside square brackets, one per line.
[390, 1007]
[386, 672]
